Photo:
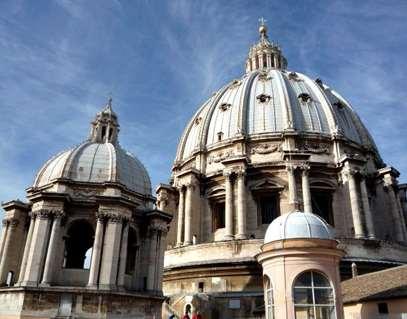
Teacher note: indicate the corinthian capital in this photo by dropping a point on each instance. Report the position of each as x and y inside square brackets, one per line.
[304, 167]
[290, 167]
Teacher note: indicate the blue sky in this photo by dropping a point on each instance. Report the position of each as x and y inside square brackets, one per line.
[162, 59]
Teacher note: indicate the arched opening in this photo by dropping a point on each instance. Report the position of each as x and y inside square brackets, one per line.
[264, 60]
[313, 297]
[268, 298]
[132, 252]
[78, 245]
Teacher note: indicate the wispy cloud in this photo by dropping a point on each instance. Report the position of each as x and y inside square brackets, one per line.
[161, 60]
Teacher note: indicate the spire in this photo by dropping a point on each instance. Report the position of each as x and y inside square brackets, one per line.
[105, 127]
[265, 54]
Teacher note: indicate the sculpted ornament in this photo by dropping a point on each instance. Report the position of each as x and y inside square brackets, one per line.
[316, 148]
[266, 148]
[85, 193]
[158, 226]
[219, 157]
[47, 213]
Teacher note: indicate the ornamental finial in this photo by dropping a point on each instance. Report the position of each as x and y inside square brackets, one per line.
[263, 28]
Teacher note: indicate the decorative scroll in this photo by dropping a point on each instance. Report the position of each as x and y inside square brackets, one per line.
[219, 157]
[266, 148]
[313, 147]
[85, 193]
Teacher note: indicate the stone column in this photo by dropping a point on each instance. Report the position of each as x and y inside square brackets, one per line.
[188, 215]
[111, 251]
[275, 61]
[52, 250]
[3, 237]
[181, 208]
[96, 252]
[10, 226]
[269, 64]
[306, 191]
[228, 206]
[241, 207]
[35, 259]
[152, 265]
[26, 249]
[354, 203]
[292, 186]
[260, 61]
[161, 260]
[123, 256]
[366, 208]
[398, 218]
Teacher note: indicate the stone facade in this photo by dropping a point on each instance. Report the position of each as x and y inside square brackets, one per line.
[256, 150]
[87, 249]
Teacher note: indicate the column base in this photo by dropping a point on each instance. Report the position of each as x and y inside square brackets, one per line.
[241, 236]
[228, 237]
[107, 287]
[187, 243]
[28, 284]
[45, 284]
[92, 287]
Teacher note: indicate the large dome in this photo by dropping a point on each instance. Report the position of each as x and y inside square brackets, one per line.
[270, 102]
[100, 159]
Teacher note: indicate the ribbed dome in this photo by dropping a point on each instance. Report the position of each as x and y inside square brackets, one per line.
[96, 163]
[269, 102]
[298, 225]
[98, 160]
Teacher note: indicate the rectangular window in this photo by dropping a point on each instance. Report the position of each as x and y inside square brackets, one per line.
[201, 286]
[382, 307]
[218, 215]
[268, 208]
[322, 205]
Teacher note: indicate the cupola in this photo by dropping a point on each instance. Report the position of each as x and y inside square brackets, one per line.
[105, 127]
[265, 54]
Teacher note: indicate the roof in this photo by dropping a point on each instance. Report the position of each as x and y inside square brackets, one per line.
[270, 102]
[298, 225]
[96, 163]
[379, 285]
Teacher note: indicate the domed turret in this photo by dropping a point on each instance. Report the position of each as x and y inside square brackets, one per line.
[298, 225]
[100, 159]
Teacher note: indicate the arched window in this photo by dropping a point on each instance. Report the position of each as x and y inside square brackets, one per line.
[313, 297]
[269, 300]
[78, 244]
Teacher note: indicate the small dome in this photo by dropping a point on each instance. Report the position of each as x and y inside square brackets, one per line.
[298, 225]
[98, 160]
[96, 163]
